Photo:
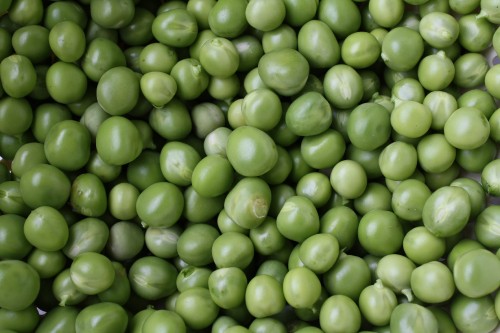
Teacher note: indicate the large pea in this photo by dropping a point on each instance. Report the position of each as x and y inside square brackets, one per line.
[92, 273]
[112, 14]
[298, 219]
[66, 83]
[88, 195]
[19, 286]
[46, 229]
[118, 90]
[192, 79]
[100, 56]
[343, 86]
[67, 41]
[285, 71]
[318, 44]
[368, 126]
[126, 240]
[160, 205]
[87, 235]
[18, 75]
[227, 18]
[412, 317]
[309, 114]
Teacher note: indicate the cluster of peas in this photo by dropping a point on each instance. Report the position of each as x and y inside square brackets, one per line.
[249, 166]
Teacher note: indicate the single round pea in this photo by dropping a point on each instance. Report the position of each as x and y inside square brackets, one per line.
[343, 86]
[394, 270]
[175, 28]
[485, 227]
[87, 235]
[280, 38]
[396, 48]
[66, 83]
[309, 114]
[439, 29]
[383, 18]
[262, 109]
[196, 308]
[232, 249]
[58, 319]
[435, 154]
[442, 105]
[475, 33]
[65, 290]
[13, 242]
[376, 303]
[105, 316]
[20, 284]
[264, 296]
[298, 219]
[285, 71]
[360, 50]
[407, 114]
[474, 160]
[324, 150]
[471, 314]
[343, 17]
[368, 126]
[348, 277]
[152, 278]
[219, 57]
[380, 232]
[475, 273]
[293, 288]
[479, 99]
[470, 70]
[18, 75]
[166, 208]
[318, 44]
[446, 211]
[467, 128]
[492, 81]
[348, 179]
[227, 287]
[375, 196]
[195, 244]
[432, 282]
[398, 160]
[227, 18]
[342, 223]
[412, 317]
[338, 314]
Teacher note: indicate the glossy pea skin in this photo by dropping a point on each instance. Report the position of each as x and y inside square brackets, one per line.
[473, 314]
[195, 243]
[394, 270]
[92, 273]
[196, 308]
[227, 18]
[46, 229]
[102, 317]
[100, 56]
[411, 119]
[227, 287]
[408, 199]
[485, 227]
[20, 285]
[21, 321]
[470, 70]
[13, 83]
[339, 314]
[88, 195]
[152, 278]
[348, 277]
[342, 223]
[39, 183]
[396, 46]
[467, 128]
[67, 41]
[298, 219]
[421, 246]
[318, 44]
[258, 14]
[324, 150]
[439, 29]
[368, 126]
[23, 39]
[112, 14]
[410, 317]
[348, 179]
[432, 282]
[164, 320]
[262, 109]
[315, 186]
[383, 18]
[319, 252]
[469, 273]
[285, 71]
[118, 90]
[360, 50]
[232, 249]
[264, 296]
[59, 320]
[343, 86]
[475, 34]
[165, 210]
[87, 235]
[13, 242]
[66, 83]
[192, 79]
[175, 28]
[266, 238]
[436, 72]
[376, 303]
[309, 114]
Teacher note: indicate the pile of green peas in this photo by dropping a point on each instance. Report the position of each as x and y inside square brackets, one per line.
[257, 166]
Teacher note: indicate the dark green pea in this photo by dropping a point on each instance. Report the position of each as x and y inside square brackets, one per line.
[324, 150]
[24, 38]
[102, 317]
[132, 56]
[368, 159]
[58, 320]
[106, 172]
[309, 114]
[66, 83]
[65, 290]
[11, 200]
[455, 201]
[492, 82]
[224, 88]
[367, 21]
[13, 242]
[227, 18]
[298, 218]
[88, 195]
[67, 41]
[118, 90]
[249, 50]
[94, 31]
[22, 321]
[285, 71]
[282, 134]
[119, 292]
[380, 232]
[371, 84]
[138, 31]
[20, 285]
[441, 104]
[192, 79]
[93, 117]
[157, 57]
[212, 176]
[38, 185]
[122, 199]
[410, 317]
[175, 4]
[470, 70]
[92, 273]
[145, 170]
[283, 37]
[87, 235]
[343, 86]
[375, 196]
[64, 11]
[343, 17]
[47, 263]
[440, 179]
[200, 209]
[201, 10]
[166, 208]
[471, 314]
[368, 126]
[164, 320]
[100, 56]
[127, 144]
[342, 223]
[172, 121]
[475, 34]
[27, 156]
[5, 43]
[177, 162]
[266, 237]
[78, 107]
[474, 160]
[68, 137]
[195, 243]
[396, 46]
[175, 28]
[112, 14]
[18, 75]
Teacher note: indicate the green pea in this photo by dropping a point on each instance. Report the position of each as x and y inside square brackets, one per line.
[196, 308]
[479, 99]
[65, 290]
[281, 170]
[88, 195]
[315, 186]
[467, 128]
[279, 194]
[249, 50]
[323, 150]
[283, 37]
[343, 86]
[156, 57]
[232, 249]
[484, 228]
[162, 242]
[200, 209]
[360, 50]
[412, 317]
[175, 28]
[396, 49]
[408, 199]
[102, 317]
[165, 210]
[258, 14]
[380, 232]
[331, 320]
[435, 154]
[348, 179]
[119, 291]
[192, 79]
[376, 303]
[24, 320]
[474, 160]
[152, 278]
[319, 253]
[293, 288]
[285, 71]
[125, 138]
[492, 80]
[407, 89]
[343, 17]
[164, 320]
[407, 114]
[59, 319]
[375, 196]
[225, 224]
[298, 219]
[318, 44]
[266, 238]
[87, 235]
[441, 104]
[475, 33]
[342, 223]
[92, 273]
[227, 18]
[13, 244]
[368, 126]
[101, 169]
[138, 31]
[472, 314]
[436, 72]
[264, 296]
[309, 114]
[227, 287]
[470, 70]
[215, 142]
[112, 14]
[452, 200]
[439, 29]
[20, 285]
[437, 180]
[383, 18]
